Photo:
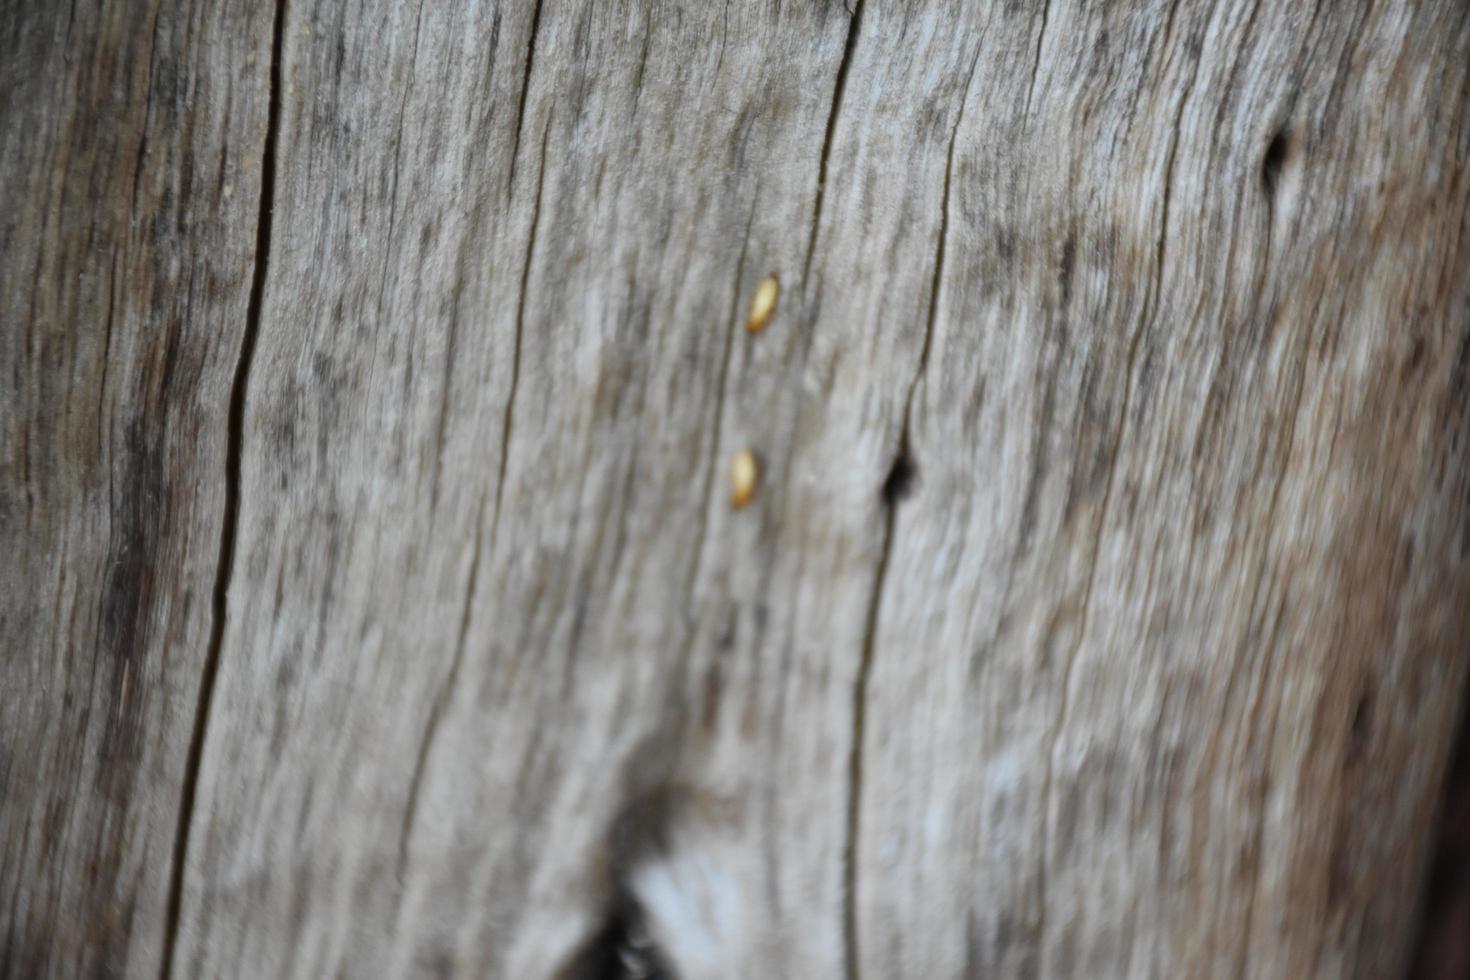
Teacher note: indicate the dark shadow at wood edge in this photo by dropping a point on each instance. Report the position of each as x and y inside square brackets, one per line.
[1441, 949]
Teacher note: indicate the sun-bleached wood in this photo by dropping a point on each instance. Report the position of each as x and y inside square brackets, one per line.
[373, 376]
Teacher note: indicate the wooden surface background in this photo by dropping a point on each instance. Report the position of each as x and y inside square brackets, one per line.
[372, 603]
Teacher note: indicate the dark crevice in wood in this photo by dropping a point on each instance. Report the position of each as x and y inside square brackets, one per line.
[71, 20]
[851, 951]
[897, 485]
[515, 146]
[112, 287]
[441, 699]
[147, 103]
[1036, 62]
[620, 950]
[643, 827]
[936, 282]
[1360, 728]
[899, 482]
[383, 275]
[1272, 161]
[231, 517]
[441, 428]
[642, 68]
[849, 45]
[515, 361]
[1441, 942]
[724, 38]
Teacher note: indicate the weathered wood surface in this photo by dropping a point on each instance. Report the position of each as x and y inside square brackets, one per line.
[371, 373]
[130, 140]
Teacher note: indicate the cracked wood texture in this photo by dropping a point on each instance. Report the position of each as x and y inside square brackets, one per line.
[371, 372]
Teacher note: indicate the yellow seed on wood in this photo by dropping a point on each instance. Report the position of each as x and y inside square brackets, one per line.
[763, 303]
[744, 475]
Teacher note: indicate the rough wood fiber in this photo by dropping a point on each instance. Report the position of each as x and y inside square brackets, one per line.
[1101, 611]
[1192, 446]
[130, 139]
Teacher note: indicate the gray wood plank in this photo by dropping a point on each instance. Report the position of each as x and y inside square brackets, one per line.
[1100, 609]
[484, 455]
[1174, 623]
[129, 189]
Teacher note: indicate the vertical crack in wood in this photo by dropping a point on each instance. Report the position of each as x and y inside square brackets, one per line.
[894, 489]
[515, 146]
[147, 105]
[441, 427]
[1152, 305]
[71, 20]
[451, 338]
[231, 517]
[441, 699]
[811, 309]
[849, 45]
[515, 361]
[112, 285]
[1036, 62]
[641, 71]
[724, 37]
[413, 66]
[851, 951]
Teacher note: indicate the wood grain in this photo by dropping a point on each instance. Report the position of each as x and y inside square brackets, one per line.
[129, 159]
[1102, 607]
[1212, 454]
